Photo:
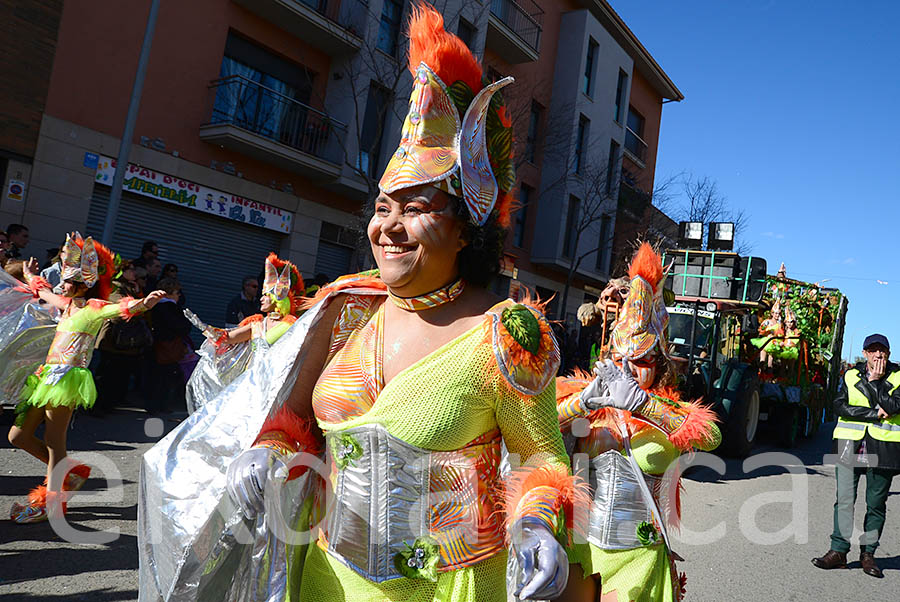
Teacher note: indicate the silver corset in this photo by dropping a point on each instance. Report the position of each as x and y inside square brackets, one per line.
[619, 504]
[380, 500]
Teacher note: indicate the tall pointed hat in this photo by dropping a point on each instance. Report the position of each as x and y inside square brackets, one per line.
[642, 330]
[86, 261]
[457, 135]
[284, 283]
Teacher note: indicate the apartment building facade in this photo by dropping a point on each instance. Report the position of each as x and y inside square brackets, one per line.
[264, 125]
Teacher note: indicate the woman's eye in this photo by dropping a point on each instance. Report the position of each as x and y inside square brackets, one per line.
[413, 211]
[382, 210]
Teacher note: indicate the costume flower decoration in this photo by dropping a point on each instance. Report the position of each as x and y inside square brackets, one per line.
[419, 560]
[345, 449]
[647, 533]
[457, 135]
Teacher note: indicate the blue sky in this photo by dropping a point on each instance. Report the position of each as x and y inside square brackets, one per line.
[792, 107]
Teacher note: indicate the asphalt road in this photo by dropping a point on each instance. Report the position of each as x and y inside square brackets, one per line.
[737, 538]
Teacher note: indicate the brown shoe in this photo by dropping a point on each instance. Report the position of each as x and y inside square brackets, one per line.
[831, 560]
[869, 566]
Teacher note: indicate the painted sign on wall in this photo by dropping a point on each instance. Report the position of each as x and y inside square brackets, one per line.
[190, 195]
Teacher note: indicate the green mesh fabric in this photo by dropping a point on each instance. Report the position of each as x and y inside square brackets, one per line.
[441, 403]
[458, 394]
[638, 575]
[325, 579]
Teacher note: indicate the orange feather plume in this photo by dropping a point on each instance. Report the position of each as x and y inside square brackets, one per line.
[446, 55]
[647, 264]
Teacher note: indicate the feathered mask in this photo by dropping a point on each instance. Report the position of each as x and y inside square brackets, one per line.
[643, 328]
[456, 135]
[284, 283]
[89, 262]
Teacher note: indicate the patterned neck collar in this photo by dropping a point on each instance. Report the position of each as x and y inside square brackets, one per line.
[429, 300]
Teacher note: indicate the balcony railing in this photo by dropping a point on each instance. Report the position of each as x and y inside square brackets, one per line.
[251, 106]
[526, 24]
[635, 145]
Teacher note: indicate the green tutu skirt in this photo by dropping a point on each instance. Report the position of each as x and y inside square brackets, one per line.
[74, 390]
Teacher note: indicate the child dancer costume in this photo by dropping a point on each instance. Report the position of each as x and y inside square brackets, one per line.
[635, 433]
[413, 464]
[63, 379]
[221, 362]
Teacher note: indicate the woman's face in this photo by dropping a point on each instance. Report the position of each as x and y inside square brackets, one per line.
[171, 272]
[73, 289]
[154, 267]
[266, 304]
[415, 237]
[129, 275]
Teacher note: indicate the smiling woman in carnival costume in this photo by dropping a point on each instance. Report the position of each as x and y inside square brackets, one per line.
[63, 382]
[227, 353]
[637, 426]
[415, 375]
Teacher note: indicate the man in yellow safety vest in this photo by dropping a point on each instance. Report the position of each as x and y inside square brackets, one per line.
[867, 440]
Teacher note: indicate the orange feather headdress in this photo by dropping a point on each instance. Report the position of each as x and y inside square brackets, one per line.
[86, 261]
[457, 135]
[284, 283]
[643, 327]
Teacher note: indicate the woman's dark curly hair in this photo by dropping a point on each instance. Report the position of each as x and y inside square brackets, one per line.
[479, 261]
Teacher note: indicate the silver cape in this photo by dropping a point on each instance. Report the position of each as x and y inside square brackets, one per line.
[27, 329]
[188, 526]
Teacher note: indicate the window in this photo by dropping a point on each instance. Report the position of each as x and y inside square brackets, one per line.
[580, 138]
[603, 243]
[634, 135]
[534, 124]
[466, 32]
[389, 28]
[620, 95]
[370, 138]
[611, 163]
[522, 215]
[571, 225]
[635, 122]
[267, 95]
[589, 60]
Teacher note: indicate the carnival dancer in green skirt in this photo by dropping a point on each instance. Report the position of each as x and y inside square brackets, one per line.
[63, 382]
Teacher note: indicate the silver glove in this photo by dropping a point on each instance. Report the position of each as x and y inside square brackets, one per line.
[614, 388]
[246, 478]
[543, 567]
[194, 319]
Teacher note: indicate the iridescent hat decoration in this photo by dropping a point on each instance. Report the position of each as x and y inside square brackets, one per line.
[456, 137]
[642, 329]
[284, 283]
[87, 261]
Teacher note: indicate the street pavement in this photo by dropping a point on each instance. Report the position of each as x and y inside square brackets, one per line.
[734, 537]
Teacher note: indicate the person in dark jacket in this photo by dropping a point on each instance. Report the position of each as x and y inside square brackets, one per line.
[244, 305]
[170, 345]
[867, 442]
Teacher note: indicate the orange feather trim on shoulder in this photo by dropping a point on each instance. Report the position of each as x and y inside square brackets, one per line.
[446, 55]
[251, 319]
[698, 429]
[647, 264]
[573, 494]
[341, 284]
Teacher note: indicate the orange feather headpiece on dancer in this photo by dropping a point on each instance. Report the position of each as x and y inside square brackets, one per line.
[456, 135]
[284, 283]
[86, 261]
[642, 330]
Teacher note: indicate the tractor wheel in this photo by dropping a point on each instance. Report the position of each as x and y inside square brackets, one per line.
[739, 432]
